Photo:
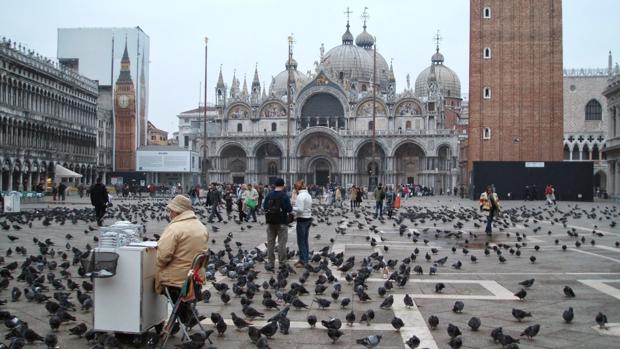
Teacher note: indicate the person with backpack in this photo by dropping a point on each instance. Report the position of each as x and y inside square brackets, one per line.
[379, 197]
[303, 214]
[489, 202]
[277, 206]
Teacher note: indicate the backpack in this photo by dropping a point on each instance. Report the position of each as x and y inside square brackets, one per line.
[274, 212]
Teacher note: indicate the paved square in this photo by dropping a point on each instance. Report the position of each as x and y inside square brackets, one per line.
[439, 225]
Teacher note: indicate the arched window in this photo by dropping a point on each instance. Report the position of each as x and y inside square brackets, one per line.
[594, 111]
[274, 127]
[364, 88]
[341, 75]
[486, 12]
[566, 152]
[487, 53]
[239, 127]
[486, 93]
[408, 125]
[486, 133]
[371, 125]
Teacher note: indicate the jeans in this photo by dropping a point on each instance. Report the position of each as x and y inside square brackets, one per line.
[489, 227]
[215, 211]
[303, 230]
[379, 208]
[185, 310]
[280, 232]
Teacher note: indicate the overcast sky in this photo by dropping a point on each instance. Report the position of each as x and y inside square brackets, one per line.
[245, 33]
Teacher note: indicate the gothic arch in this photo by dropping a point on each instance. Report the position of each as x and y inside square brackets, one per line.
[235, 109]
[404, 141]
[228, 144]
[368, 100]
[317, 131]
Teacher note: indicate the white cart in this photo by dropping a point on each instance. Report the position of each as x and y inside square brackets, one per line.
[127, 302]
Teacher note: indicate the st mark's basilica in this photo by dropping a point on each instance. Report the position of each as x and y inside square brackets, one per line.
[331, 123]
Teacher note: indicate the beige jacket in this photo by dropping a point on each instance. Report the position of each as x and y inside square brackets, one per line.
[182, 240]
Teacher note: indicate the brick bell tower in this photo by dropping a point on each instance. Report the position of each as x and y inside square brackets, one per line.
[125, 118]
[515, 81]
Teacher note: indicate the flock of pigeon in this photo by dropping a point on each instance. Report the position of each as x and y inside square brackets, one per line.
[46, 270]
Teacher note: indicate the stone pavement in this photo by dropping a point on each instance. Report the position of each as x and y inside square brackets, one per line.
[486, 287]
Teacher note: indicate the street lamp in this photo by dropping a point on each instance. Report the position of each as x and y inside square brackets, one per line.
[204, 135]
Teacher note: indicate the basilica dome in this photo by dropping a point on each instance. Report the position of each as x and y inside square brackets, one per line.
[348, 61]
[366, 41]
[278, 85]
[449, 83]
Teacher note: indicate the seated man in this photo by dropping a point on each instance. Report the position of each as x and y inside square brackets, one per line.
[182, 240]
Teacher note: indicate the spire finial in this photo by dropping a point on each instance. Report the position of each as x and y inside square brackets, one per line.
[437, 38]
[365, 16]
[348, 13]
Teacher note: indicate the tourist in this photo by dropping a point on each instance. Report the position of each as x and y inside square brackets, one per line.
[390, 197]
[358, 196]
[182, 240]
[250, 197]
[303, 213]
[489, 202]
[277, 206]
[379, 197]
[338, 196]
[99, 198]
[548, 192]
[62, 190]
[353, 196]
[228, 200]
[214, 198]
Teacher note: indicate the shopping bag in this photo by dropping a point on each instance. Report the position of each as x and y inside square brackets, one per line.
[397, 202]
[251, 203]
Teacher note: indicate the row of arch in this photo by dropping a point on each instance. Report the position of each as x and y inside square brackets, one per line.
[37, 136]
[33, 98]
[25, 174]
[585, 151]
[408, 106]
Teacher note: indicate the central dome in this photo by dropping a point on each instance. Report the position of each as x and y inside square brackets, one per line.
[348, 61]
[278, 85]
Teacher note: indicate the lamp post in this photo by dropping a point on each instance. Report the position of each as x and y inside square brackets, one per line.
[289, 96]
[204, 134]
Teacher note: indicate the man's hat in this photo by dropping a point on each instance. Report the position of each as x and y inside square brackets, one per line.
[180, 204]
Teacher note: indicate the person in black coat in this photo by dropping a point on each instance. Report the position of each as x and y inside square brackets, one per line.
[99, 199]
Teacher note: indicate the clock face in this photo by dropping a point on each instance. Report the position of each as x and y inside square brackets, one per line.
[123, 101]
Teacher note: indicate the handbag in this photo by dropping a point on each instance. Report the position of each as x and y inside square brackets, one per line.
[251, 203]
[397, 201]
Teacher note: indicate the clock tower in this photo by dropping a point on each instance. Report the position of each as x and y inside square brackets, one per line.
[125, 118]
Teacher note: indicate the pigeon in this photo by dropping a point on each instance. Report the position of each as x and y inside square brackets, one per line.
[408, 301]
[521, 294]
[371, 341]
[221, 326]
[367, 316]
[261, 343]
[311, 320]
[601, 320]
[455, 343]
[458, 307]
[568, 292]
[568, 315]
[334, 334]
[332, 323]
[433, 321]
[31, 336]
[413, 342]
[239, 322]
[453, 331]
[527, 283]
[51, 341]
[350, 317]
[531, 331]
[251, 313]
[269, 329]
[439, 287]
[520, 314]
[397, 323]
[297, 304]
[387, 303]
[78, 330]
[474, 323]
[323, 303]
[254, 334]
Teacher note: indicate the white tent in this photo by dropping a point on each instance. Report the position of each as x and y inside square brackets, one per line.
[63, 172]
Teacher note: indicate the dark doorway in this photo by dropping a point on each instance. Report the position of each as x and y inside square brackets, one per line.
[321, 177]
[238, 179]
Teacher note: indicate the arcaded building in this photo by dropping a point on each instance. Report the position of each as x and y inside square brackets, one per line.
[331, 123]
[48, 117]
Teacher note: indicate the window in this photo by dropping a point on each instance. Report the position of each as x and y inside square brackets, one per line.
[274, 127]
[272, 169]
[239, 127]
[486, 133]
[371, 125]
[487, 53]
[487, 93]
[594, 111]
[407, 125]
[341, 75]
[185, 141]
[486, 12]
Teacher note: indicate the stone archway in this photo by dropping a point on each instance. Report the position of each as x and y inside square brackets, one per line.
[269, 162]
[600, 181]
[370, 167]
[234, 163]
[409, 163]
[317, 149]
[322, 109]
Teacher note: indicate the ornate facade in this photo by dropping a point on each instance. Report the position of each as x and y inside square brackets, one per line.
[612, 149]
[48, 116]
[331, 123]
